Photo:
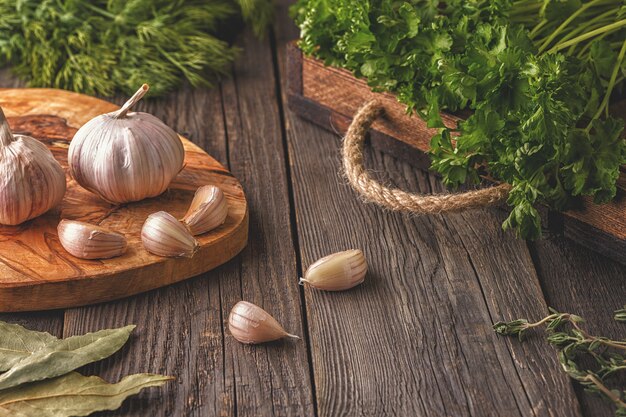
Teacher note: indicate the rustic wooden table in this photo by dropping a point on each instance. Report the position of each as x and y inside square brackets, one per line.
[415, 339]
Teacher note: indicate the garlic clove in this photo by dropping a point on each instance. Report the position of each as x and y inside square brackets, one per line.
[208, 210]
[337, 272]
[251, 324]
[88, 241]
[31, 180]
[126, 156]
[163, 235]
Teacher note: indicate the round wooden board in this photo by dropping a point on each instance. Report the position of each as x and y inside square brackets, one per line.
[35, 271]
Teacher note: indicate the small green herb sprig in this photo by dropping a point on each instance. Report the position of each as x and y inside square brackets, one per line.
[108, 46]
[538, 76]
[564, 331]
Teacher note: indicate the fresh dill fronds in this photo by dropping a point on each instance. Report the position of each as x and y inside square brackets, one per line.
[108, 46]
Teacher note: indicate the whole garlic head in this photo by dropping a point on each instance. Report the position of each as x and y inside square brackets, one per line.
[126, 156]
[31, 180]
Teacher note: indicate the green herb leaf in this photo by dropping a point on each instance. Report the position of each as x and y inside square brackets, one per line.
[17, 343]
[64, 355]
[73, 395]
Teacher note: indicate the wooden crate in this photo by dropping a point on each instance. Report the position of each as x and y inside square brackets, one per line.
[329, 97]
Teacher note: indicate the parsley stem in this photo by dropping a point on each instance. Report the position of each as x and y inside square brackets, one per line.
[565, 23]
[609, 28]
[588, 45]
[537, 29]
[605, 102]
[592, 24]
[523, 9]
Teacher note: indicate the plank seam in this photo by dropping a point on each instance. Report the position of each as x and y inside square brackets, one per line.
[292, 212]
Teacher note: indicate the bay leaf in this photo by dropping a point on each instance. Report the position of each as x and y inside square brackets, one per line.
[73, 395]
[64, 355]
[17, 343]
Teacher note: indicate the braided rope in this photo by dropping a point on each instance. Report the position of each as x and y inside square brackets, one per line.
[396, 199]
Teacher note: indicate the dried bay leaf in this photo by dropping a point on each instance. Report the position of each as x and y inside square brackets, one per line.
[73, 395]
[64, 355]
[17, 343]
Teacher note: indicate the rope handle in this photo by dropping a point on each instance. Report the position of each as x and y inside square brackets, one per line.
[396, 199]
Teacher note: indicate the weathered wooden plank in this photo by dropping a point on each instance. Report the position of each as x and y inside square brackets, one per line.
[330, 96]
[584, 283]
[416, 338]
[272, 379]
[433, 292]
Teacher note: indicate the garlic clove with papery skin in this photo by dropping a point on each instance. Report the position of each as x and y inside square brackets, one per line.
[88, 241]
[31, 180]
[250, 324]
[163, 235]
[337, 272]
[126, 156]
[208, 210]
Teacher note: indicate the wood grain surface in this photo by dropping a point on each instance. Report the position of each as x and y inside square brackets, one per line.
[414, 340]
[36, 273]
[330, 96]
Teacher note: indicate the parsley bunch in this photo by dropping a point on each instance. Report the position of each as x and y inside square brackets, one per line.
[106, 46]
[538, 77]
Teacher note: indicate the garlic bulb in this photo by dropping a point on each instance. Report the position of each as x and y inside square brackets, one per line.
[126, 156]
[163, 235]
[251, 324]
[337, 272]
[88, 241]
[31, 180]
[208, 210]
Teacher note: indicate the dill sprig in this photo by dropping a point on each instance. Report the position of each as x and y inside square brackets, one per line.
[257, 14]
[108, 46]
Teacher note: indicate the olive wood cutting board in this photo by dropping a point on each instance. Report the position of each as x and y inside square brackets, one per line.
[36, 273]
[330, 96]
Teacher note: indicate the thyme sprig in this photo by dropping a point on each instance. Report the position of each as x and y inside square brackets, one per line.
[573, 343]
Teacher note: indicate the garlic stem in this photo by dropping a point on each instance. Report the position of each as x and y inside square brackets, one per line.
[6, 136]
[121, 113]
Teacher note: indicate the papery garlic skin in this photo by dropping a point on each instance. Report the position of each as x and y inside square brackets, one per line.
[88, 241]
[126, 156]
[163, 235]
[250, 324]
[337, 272]
[208, 210]
[31, 180]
